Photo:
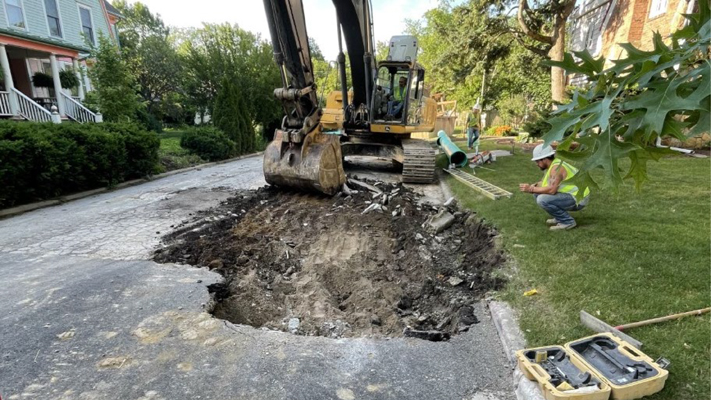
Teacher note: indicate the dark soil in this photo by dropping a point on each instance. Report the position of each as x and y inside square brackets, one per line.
[314, 265]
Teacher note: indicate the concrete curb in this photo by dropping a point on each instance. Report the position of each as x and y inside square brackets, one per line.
[510, 334]
[444, 187]
[512, 340]
[9, 212]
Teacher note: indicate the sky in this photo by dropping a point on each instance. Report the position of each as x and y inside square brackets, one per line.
[389, 17]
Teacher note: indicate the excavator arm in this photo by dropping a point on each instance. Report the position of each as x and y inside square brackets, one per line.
[290, 42]
[356, 22]
[302, 155]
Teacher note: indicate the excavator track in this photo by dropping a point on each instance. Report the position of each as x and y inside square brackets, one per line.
[419, 163]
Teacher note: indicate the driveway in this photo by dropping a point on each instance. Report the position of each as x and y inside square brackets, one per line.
[84, 315]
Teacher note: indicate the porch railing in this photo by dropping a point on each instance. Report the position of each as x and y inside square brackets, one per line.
[5, 109]
[31, 110]
[76, 111]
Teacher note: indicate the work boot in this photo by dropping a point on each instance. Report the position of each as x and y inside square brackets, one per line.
[562, 227]
[552, 221]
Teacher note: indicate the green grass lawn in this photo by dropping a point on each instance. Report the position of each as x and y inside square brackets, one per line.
[632, 257]
[172, 156]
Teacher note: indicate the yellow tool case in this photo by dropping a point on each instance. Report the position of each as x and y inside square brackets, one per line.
[598, 367]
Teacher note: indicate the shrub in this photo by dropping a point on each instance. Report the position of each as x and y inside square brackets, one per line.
[503, 130]
[141, 148]
[209, 143]
[41, 161]
[148, 120]
[538, 126]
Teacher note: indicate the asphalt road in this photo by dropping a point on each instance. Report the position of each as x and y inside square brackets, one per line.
[85, 315]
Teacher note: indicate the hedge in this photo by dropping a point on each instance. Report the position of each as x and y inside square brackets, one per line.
[208, 143]
[42, 161]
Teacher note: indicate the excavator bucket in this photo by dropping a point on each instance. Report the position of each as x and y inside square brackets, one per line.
[314, 165]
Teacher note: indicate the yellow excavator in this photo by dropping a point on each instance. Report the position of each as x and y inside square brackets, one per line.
[376, 117]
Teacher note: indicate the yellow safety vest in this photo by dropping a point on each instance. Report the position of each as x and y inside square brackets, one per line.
[570, 172]
[399, 93]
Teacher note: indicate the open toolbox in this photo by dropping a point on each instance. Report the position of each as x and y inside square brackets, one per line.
[598, 367]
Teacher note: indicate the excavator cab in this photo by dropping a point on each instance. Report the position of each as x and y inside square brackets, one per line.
[398, 94]
[399, 105]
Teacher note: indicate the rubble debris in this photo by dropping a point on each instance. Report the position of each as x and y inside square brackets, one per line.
[364, 185]
[455, 281]
[440, 221]
[313, 265]
[433, 336]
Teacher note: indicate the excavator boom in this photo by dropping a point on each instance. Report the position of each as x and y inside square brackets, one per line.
[304, 156]
[301, 155]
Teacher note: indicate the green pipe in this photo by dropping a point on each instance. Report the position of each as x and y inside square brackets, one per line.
[454, 154]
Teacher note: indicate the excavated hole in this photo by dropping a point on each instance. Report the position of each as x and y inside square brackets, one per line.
[314, 265]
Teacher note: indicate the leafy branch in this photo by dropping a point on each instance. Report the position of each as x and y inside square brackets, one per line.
[665, 92]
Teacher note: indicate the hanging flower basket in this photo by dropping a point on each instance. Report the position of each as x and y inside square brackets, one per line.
[67, 78]
[40, 79]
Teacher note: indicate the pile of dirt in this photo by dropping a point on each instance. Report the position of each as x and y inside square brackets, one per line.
[314, 265]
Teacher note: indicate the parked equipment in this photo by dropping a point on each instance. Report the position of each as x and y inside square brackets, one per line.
[598, 367]
[376, 117]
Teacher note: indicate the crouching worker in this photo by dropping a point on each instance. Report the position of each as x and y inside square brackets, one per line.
[555, 193]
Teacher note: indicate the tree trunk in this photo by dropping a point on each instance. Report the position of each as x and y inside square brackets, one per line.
[556, 53]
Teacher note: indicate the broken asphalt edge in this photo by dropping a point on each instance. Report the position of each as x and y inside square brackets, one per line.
[509, 332]
[9, 212]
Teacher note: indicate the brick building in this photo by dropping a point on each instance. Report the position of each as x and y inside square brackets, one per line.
[600, 25]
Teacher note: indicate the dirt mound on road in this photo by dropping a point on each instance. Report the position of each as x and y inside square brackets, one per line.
[313, 265]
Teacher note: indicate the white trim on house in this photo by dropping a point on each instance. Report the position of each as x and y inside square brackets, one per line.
[59, 17]
[657, 8]
[91, 17]
[24, 17]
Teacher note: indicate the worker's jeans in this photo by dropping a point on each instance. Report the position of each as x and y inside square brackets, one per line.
[472, 136]
[394, 107]
[558, 205]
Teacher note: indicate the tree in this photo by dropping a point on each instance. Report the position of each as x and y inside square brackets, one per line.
[381, 50]
[230, 116]
[315, 50]
[542, 21]
[216, 51]
[137, 23]
[151, 55]
[114, 85]
[626, 108]
[468, 59]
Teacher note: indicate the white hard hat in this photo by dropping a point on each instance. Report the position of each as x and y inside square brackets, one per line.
[541, 152]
